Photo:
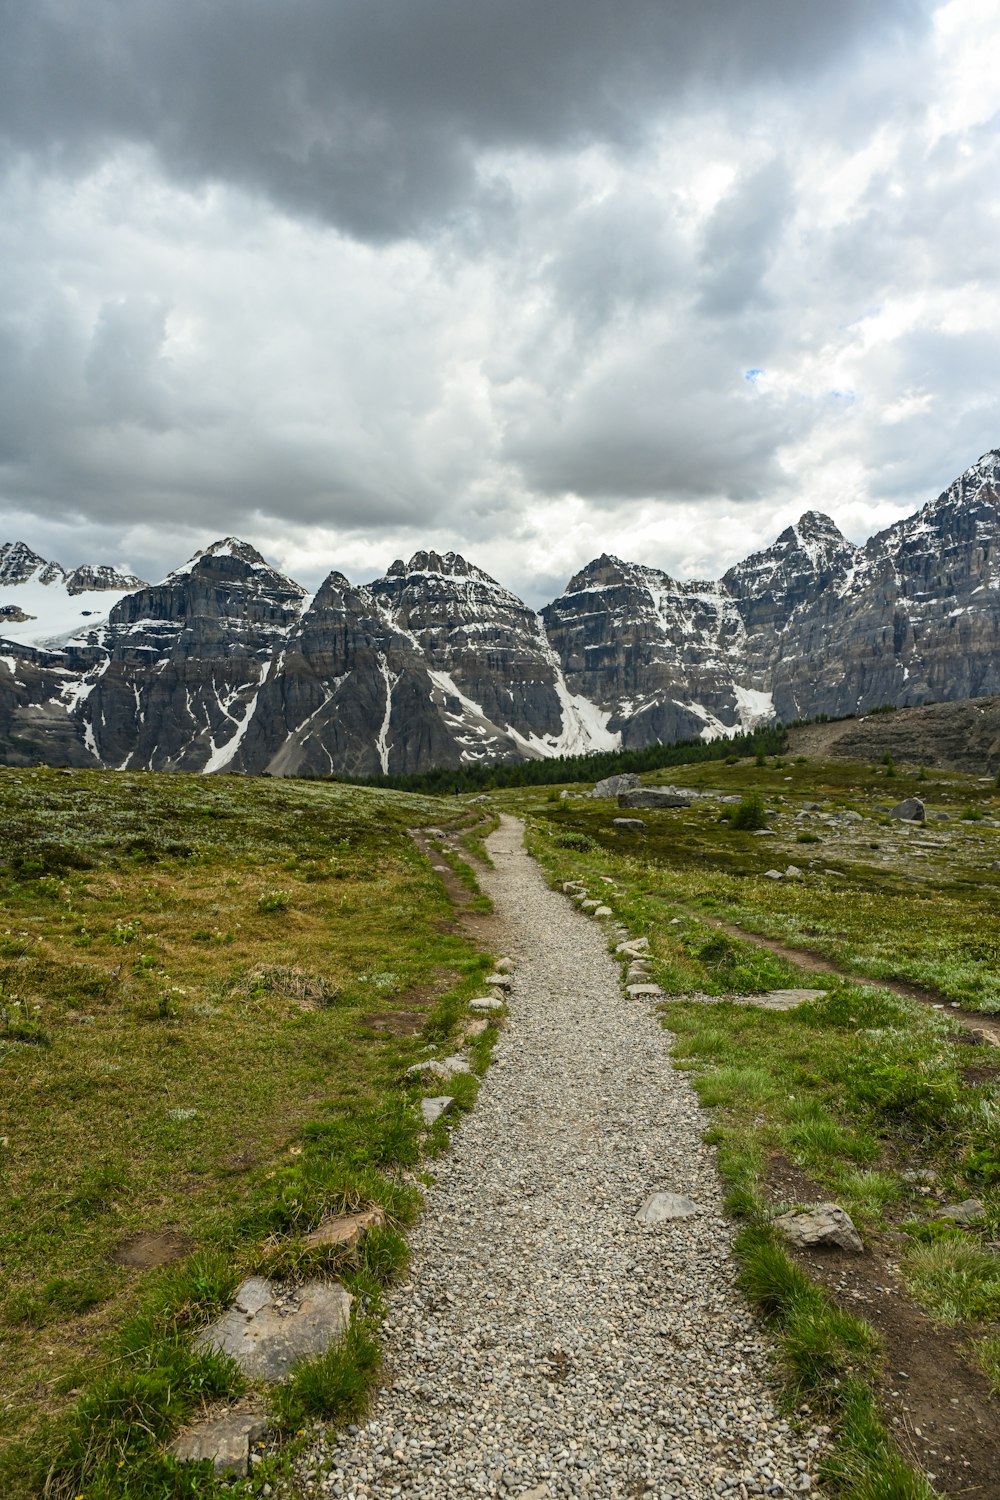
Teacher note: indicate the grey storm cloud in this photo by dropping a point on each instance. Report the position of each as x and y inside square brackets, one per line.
[371, 116]
[511, 276]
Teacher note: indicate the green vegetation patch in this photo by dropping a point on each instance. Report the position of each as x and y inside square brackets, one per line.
[204, 1039]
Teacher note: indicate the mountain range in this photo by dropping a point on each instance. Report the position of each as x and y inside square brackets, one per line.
[227, 665]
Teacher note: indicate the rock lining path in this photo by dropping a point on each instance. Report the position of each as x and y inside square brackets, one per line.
[547, 1344]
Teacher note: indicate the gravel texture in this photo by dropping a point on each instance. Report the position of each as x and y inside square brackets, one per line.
[547, 1343]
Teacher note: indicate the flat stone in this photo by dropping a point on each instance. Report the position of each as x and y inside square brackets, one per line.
[590, 905]
[634, 946]
[637, 973]
[792, 872]
[827, 1225]
[643, 991]
[499, 981]
[764, 833]
[627, 823]
[773, 875]
[783, 999]
[850, 816]
[658, 796]
[254, 1295]
[910, 810]
[223, 1439]
[486, 1002]
[659, 1208]
[603, 911]
[441, 1067]
[344, 1232]
[433, 1109]
[970, 1211]
[268, 1341]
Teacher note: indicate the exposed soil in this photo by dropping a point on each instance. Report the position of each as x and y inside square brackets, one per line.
[815, 963]
[941, 1408]
[156, 1248]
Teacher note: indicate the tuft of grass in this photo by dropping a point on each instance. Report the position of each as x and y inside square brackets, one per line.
[956, 1279]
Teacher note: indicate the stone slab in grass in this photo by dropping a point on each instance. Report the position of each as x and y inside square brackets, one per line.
[345, 1232]
[433, 1109]
[224, 1439]
[270, 1327]
[643, 991]
[660, 1208]
[486, 1002]
[499, 981]
[441, 1067]
[603, 911]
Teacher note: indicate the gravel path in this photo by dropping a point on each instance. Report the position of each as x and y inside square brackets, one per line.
[547, 1345]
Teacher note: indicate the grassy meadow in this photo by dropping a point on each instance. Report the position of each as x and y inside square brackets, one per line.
[210, 990]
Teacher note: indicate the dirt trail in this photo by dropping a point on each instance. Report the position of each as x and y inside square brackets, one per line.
[815, 963]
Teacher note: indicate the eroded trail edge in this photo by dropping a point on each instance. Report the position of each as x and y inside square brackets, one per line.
[546, 1343]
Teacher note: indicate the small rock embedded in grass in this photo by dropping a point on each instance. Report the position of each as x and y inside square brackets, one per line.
[433, 1109]
[499, 981]
[224, 1439]
[270, 1327]
[486, 1002]
[636, 823]
[441, 1067]
[603, 911]
[971, 1211]
[825, 1225]
[346, 1231]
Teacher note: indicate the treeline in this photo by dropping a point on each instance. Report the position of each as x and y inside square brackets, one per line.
[443, 780]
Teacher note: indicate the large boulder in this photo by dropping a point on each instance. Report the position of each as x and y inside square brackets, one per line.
[611, 786]
[910, 810]
[657, 796]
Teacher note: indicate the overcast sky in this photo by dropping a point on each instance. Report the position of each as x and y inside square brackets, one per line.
[533, 279]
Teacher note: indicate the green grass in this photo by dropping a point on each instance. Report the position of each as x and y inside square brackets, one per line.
[878, 912]
[201, 1032]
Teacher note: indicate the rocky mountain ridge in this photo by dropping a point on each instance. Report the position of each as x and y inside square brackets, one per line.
[229, 665]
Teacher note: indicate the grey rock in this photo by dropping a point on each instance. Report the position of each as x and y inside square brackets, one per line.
[499, 981]
[224, 1439]
[643, 991]
[441, 1067]
[486, 1003]
[433, 1109]
[792, 872]
[970, 1211]
[851, 817]
[827, 1225]
[658, 796]
[266, 1338]
[773, 875]
[604, 911]
[764, 833]
[611, 786]
[910, 810]
[660, 1208]
[636, 823]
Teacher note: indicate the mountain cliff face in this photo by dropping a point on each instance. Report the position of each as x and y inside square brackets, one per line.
[228, 666]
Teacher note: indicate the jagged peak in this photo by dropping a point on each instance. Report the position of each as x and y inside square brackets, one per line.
[608, 569]
[443, 564]
[233, 546]
[18, 563]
